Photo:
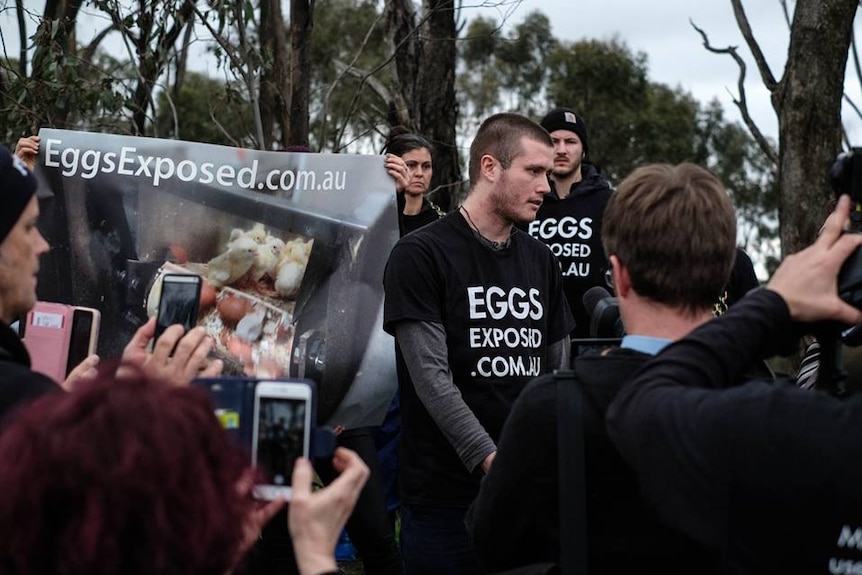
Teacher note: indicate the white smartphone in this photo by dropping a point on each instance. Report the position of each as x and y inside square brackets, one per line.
[85, 335]
[281, 433]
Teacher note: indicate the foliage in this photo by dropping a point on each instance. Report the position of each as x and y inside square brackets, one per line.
[63, 90]
[353, 88]
[345, 110]
[205, 110]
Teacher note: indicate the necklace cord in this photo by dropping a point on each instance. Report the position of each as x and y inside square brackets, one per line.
[492, 243]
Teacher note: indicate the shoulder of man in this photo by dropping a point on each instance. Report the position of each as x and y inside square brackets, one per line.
[593, 178]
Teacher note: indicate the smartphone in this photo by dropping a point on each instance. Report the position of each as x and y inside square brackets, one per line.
[281, 432]
[178, 302]
[233, 400]
[84, 338]
[46, 333]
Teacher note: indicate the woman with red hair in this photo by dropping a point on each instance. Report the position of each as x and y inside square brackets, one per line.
[137, 476]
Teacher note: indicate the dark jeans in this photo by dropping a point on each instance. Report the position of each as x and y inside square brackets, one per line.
[434, 541]
[368, 527]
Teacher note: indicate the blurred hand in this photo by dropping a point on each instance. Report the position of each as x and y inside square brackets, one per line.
[188, 361]
[28, 149]
[84, 370]
[486, 463]
[316, 518]
[399, 171]
[259, 516]
[808, 280]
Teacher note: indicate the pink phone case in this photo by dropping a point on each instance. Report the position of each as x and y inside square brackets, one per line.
[46, 337]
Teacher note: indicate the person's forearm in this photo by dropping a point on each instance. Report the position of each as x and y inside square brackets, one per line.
[423, 345]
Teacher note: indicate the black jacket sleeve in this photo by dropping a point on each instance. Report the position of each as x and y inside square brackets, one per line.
[699, 446]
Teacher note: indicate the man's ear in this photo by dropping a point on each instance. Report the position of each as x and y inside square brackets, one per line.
[489, 167]
[622, 279]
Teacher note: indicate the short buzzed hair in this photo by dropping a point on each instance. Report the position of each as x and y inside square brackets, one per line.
[674, 229]
[500, 136]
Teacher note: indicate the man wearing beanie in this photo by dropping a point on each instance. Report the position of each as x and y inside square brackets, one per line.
[570, 219]
[21, 244]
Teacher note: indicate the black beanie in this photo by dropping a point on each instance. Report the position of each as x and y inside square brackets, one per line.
[566, 119]
[17, 186]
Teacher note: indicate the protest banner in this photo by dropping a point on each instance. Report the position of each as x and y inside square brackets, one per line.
[291, 247]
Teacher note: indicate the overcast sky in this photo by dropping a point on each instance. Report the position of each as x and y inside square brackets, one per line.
[659, 28]
[676, 57]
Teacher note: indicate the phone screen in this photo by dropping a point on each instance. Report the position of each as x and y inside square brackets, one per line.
[281, 436]
[178, 302]
[79, 342]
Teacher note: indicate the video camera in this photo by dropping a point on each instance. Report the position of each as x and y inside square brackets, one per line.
[845, 175]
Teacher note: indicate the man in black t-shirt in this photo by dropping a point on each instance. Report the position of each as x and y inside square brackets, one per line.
[570, 219]
[477, 310]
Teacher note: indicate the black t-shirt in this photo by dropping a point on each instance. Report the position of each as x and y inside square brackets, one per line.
[500, 309]
[572, 229]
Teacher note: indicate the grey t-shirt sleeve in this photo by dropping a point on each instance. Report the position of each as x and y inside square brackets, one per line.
[423, 345]
[560, 354]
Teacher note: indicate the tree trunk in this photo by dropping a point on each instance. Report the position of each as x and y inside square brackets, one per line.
[423, 86]
[301, 24]
[274, 79]
[808, 103]
[438, 108]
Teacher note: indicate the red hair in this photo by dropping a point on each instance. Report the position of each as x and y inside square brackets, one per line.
[122, 476]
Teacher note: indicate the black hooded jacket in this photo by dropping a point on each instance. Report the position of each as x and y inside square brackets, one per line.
[572, 228]
[18, 383]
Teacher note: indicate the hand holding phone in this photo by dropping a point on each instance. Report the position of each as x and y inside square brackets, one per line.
[85, 335]
[281, 432]
[178, 302]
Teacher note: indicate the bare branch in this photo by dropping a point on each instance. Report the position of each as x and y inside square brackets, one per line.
[376, 85]
[224, 131]
[341, 75]
[853, 105]
[740, 101]
[247, 75]
[786, 12]
[855, 52]
[90, 50]
[745, 28]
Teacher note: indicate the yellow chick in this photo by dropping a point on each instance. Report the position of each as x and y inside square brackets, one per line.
[266, 260]
[228, 267]
[291, 267]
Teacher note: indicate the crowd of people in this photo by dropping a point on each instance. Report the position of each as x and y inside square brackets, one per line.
[696, 459]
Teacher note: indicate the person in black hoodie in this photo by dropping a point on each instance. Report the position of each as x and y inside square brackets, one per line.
[666, 285]
[570, 218]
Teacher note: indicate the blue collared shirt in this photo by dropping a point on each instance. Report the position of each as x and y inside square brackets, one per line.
[645, 343]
